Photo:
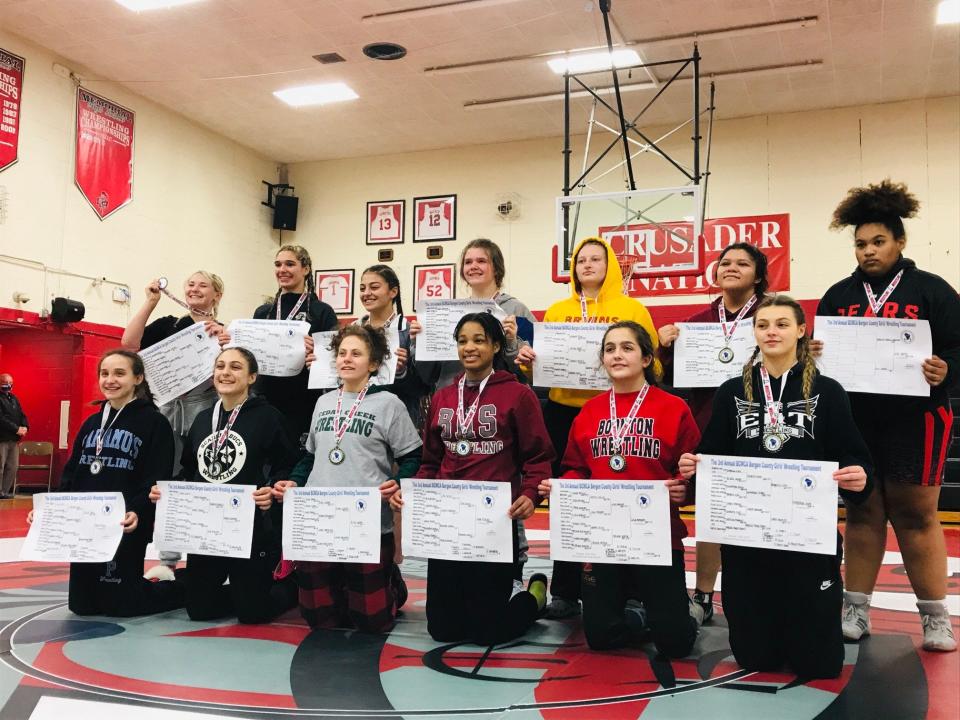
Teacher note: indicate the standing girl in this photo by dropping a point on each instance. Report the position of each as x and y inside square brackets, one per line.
[358, 435]
[487, 426]
[203, 292]
[908, 436]
[596, 296]
[124, 447]
[635, 431]
[741, 275]
[237, 441]
[784, 408]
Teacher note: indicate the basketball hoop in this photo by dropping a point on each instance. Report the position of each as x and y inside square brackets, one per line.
[627, 263]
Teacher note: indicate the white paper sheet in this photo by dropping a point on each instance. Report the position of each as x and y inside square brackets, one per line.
[323, 370]
[332, 524]
[277, 344]
[205, 518]
[568, 356]
[74, 527]
[778, 504]
[696, 351]
[180, 363]
[875, 355]
[610, 521]
[457, 520]
[439, 319]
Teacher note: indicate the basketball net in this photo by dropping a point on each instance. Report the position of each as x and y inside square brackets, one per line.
[627, 262]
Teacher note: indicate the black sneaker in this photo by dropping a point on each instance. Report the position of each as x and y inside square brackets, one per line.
[705, 601]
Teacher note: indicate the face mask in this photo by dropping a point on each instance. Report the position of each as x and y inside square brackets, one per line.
[6, 387]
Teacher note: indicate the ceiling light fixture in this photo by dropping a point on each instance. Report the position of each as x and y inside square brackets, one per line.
[321, 94]
[434, 9]
[138, 5]
[948, 12]
[594, 61]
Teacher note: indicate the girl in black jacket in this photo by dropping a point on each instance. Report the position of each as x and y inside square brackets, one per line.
[763, 588]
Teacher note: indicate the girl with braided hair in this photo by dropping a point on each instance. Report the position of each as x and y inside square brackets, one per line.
[907, 435]
[783, 407]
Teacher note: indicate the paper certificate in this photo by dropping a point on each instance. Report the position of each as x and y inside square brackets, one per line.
[875, 355]
[74, 527]
[332, 524]
[205, 518]
[323, 370]
[610, 521]
[777, 504]
[180, 363]
[439, 319]
[277, 344]
[457, 520]
[699, 347]
[568, 356]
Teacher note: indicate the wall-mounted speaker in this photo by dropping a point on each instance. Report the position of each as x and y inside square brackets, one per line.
[285, 212]
[64, 310]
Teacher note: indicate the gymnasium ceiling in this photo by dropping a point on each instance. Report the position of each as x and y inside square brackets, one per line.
[218, 62]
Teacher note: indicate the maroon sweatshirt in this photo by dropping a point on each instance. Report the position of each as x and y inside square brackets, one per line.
[508, 440]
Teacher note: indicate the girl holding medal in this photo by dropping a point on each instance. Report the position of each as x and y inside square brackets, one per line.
[783, 607]
[358, 436]
[596, 296]
[237, 441]
[741, 275]
[203, 291]
[635, 431]
[487, 426]
[907, 435]
[124, 447]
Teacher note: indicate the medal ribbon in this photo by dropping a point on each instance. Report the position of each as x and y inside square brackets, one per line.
[876, 303]
[103, 422]
[728, 335]
[340, 430]
[770, 406]
[465, 422]
[221, 438]
[583, 308]
[303, 297]
[618, 432]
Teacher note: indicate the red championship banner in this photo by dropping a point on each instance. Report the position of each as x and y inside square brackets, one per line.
[11, 89]
[104, 167]
[770, 233]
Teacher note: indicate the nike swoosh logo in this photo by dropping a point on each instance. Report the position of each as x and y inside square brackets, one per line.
[825, 584]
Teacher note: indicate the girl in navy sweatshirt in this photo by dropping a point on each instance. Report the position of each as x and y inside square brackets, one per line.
[783, 607]
[485, 426]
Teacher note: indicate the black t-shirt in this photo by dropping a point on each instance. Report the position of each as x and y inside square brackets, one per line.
[162, 328]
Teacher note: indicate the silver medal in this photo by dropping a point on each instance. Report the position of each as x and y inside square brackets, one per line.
[772, 442]
[725, 355]
[462, 448]
[162, 283]
[214, 469]
[95, 467]
[336, 456]
[617, 463]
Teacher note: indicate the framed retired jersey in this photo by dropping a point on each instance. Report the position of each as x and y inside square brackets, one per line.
[435, 218]
[335, 287]
[434, 282]
[385, 222]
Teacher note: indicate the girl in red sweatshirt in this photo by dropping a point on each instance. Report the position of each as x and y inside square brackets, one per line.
[485, 426]
[635, 431]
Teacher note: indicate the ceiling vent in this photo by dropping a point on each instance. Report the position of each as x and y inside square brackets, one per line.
[329, 58]
[384, 51]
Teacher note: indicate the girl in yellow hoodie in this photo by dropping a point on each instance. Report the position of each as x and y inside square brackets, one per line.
[596, 296]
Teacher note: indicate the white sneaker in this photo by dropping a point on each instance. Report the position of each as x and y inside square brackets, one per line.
[160, 573]
[937, 633]
[856, 620]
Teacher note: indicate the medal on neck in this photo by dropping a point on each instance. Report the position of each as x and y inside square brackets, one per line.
[162, 284]
[465, 420]
[773, 435]
[336, 456]
[303, 297]
[617, 462]
[726, 352]
[876, 303]
[97, 465]
[215, 467]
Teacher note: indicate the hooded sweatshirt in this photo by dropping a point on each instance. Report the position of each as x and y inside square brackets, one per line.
[137, 452]
[919, 296]
[610, 306]
[663, 430]
[509, 442]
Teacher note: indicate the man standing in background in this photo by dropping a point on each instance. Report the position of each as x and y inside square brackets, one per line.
[13, 426]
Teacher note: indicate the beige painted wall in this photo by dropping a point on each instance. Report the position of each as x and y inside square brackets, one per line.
[196, 204]
[800, 163]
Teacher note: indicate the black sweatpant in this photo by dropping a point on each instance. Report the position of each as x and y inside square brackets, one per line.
[662, 590]
[565, 578]
[117, 588]
[783, 609]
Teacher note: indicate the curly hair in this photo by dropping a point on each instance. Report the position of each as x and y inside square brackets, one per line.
[887, 203]
[373, 338]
